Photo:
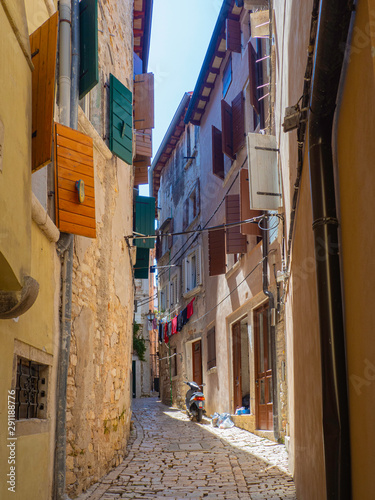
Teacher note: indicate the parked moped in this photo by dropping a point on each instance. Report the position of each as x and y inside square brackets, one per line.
[195, 401]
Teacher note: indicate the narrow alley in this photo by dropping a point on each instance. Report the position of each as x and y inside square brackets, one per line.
[171, 457]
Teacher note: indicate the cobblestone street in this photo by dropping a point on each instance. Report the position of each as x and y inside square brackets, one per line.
[171, 457]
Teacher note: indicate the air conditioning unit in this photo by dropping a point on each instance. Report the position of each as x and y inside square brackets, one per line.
[264, 185]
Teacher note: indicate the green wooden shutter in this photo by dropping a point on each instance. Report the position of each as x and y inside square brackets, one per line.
[142, 264]
[120, 120]
[145, 220]
[88, 63]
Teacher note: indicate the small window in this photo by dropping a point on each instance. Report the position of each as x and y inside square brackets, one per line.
[192, 271]
[191, 206]
[174, 361]
[227, 76]
[173, 291]
[211, 348]
[31, 390]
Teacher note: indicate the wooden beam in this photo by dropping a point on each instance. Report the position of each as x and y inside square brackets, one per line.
[220, 54]
[215, 71]
[203, 98]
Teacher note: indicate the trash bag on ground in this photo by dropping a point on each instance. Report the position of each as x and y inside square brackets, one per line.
[214, 419]
[226, 423]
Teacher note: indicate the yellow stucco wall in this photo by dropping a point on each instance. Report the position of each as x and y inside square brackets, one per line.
[34, 453]
[356, 154]
[15, 174]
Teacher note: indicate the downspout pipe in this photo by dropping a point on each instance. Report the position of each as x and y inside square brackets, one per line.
[333, 27]
[272, 330]
[68, 88]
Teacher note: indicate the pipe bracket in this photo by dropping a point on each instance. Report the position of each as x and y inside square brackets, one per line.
[324, 221]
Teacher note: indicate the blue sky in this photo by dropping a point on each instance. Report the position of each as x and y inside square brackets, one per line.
[180, 34]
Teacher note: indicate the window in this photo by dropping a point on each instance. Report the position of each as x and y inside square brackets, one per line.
[173, 361]
[192, 271]
[227, 76]
[31, 390]
[164, 298]
[188, 142]
[211, 348]
[173, 291]
[192, 206]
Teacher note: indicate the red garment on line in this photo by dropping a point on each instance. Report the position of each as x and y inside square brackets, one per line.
[174, 325]
[190, 309]
[166, 338]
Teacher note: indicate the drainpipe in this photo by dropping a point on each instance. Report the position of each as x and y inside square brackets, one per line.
[334, 21]
[272, 330]
[68, 88]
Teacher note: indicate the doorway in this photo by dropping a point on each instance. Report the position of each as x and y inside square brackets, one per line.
[241, 372]
[263, 369]
[197, 362]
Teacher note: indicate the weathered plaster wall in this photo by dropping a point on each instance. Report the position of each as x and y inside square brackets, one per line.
[99, 379]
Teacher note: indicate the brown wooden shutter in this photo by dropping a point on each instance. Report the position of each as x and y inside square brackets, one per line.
[170, 238]
[233, 38]
[246, 212]
[144, 101]
[216, 252]
[43, 43]
[217, 153]
[140, 175]
[158, 248]
[238, 111]
[253, 78]
[143, 144]
[236, 242]
[211, 348]
[227, 129]
[74, 160]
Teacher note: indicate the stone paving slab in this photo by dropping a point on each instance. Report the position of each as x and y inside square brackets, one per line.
[170, 457]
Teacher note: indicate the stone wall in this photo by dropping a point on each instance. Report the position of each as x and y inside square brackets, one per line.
[99, 378]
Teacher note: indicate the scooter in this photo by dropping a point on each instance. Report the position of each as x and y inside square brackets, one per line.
[195, 401]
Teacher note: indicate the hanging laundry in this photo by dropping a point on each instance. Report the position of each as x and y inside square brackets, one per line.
[180, 323]
[184, 317]
[190, 309]
[170, 329]
[161, 332]
[174, 325]
[166, 338]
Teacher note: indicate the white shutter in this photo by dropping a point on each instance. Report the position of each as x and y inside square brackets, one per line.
[264, 183]
[198, 260]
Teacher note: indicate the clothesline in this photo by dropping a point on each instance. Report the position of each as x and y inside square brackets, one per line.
[169, 328]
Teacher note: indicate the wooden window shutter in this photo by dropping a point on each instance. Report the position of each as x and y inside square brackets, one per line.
[43, 44]
[140, 175]
[88, 56]
[120, 120]
[158, 248]
[142, 262]
[143, 145]
[236, 242]
[252, 77]
[183, 275]
[144, 101]
[74, 161]
[238, 111]
[170, 238]
[145, 220]
[211, 348]
[233, 35]
[217, 153]
[227, 129]
[246, 212]
[216, 252]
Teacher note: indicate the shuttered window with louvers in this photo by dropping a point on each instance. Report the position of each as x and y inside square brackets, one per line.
[144, 101]
[235, 241]
[227, 129]
[43, 45]
[233, 35]
[88, 60]
[120, 120]
[216, 252]
[246, 212]
[211, 348]
[217, 153]
[238, 113]
[253, 78]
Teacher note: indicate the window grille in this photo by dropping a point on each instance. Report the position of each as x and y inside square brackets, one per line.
[29, 394]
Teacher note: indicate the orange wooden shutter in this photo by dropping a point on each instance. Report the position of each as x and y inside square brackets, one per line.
[246, 212]
[216, 252]
[238, 111]
[74, 160]
[236, 242]
[253, 78]
[227, 129]
[233, 35]
[140, 175]
[144, 101]
[43, 43]
[217, 153]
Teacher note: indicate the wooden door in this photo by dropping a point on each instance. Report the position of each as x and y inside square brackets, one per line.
[263, 369]
[237, 386]
[197, 362]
